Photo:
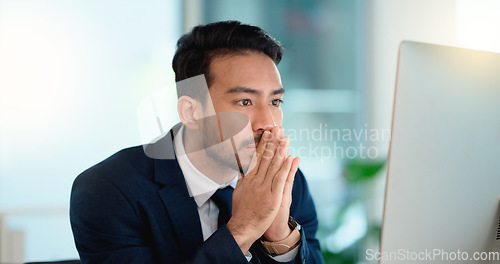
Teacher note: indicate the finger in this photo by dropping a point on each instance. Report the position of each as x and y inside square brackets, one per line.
[279, 179]
[287, 190]
[268, 153]
[282, 132]
[261, 148]
[295, 166]
[279, 157]
[279, 133]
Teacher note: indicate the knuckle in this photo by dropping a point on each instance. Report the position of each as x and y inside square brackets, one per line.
[268, 154]
[261, 190]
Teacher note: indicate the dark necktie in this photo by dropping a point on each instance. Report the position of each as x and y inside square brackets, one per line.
[223, 199]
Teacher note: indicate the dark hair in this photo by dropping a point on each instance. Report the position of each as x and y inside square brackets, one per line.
[196, 49]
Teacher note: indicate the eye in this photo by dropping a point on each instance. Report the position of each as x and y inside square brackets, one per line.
[276, 102]
[244, 102]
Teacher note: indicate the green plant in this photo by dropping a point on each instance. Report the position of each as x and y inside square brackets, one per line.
[358, 175]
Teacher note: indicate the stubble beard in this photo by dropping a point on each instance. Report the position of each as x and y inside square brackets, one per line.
[224, 154]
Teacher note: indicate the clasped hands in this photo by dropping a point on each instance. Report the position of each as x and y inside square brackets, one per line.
[262, 198]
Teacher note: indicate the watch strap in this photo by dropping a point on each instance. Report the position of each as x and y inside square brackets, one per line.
[285, 245]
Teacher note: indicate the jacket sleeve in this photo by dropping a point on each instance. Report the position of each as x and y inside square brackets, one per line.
[109, 228]
[304, 212]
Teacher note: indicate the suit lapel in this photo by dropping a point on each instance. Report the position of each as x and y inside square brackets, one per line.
[181, 208]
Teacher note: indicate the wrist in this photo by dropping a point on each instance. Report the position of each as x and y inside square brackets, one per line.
[241, 236]
[285, 245]
[277, 234]
[279, 229]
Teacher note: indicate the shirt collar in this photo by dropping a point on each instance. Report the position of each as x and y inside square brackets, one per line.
[200, 187]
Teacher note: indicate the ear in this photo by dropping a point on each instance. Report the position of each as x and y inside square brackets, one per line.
[189, 111]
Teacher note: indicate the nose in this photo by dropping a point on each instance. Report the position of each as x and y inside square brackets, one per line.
[262, 119]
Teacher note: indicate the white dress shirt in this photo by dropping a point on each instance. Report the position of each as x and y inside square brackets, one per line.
[201, 188]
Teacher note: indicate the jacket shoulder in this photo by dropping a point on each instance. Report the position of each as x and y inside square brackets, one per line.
[119, 167]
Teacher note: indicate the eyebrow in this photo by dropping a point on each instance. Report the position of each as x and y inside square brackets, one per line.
[242, 89]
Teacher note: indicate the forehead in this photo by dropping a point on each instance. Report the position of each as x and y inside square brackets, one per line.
[252, 70]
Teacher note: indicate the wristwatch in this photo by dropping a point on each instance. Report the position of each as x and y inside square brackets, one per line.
[275, 248]
[293, 224]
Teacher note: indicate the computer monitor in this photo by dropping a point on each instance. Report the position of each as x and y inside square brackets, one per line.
[443, 176]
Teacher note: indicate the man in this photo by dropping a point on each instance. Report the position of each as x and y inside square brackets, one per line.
[170, 202]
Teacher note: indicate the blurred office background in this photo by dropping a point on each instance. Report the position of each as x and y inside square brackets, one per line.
[74, 73]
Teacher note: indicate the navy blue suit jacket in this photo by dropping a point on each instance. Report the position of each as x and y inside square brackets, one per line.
[131, 208]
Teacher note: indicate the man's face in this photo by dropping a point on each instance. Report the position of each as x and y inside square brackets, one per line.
[249, 84]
